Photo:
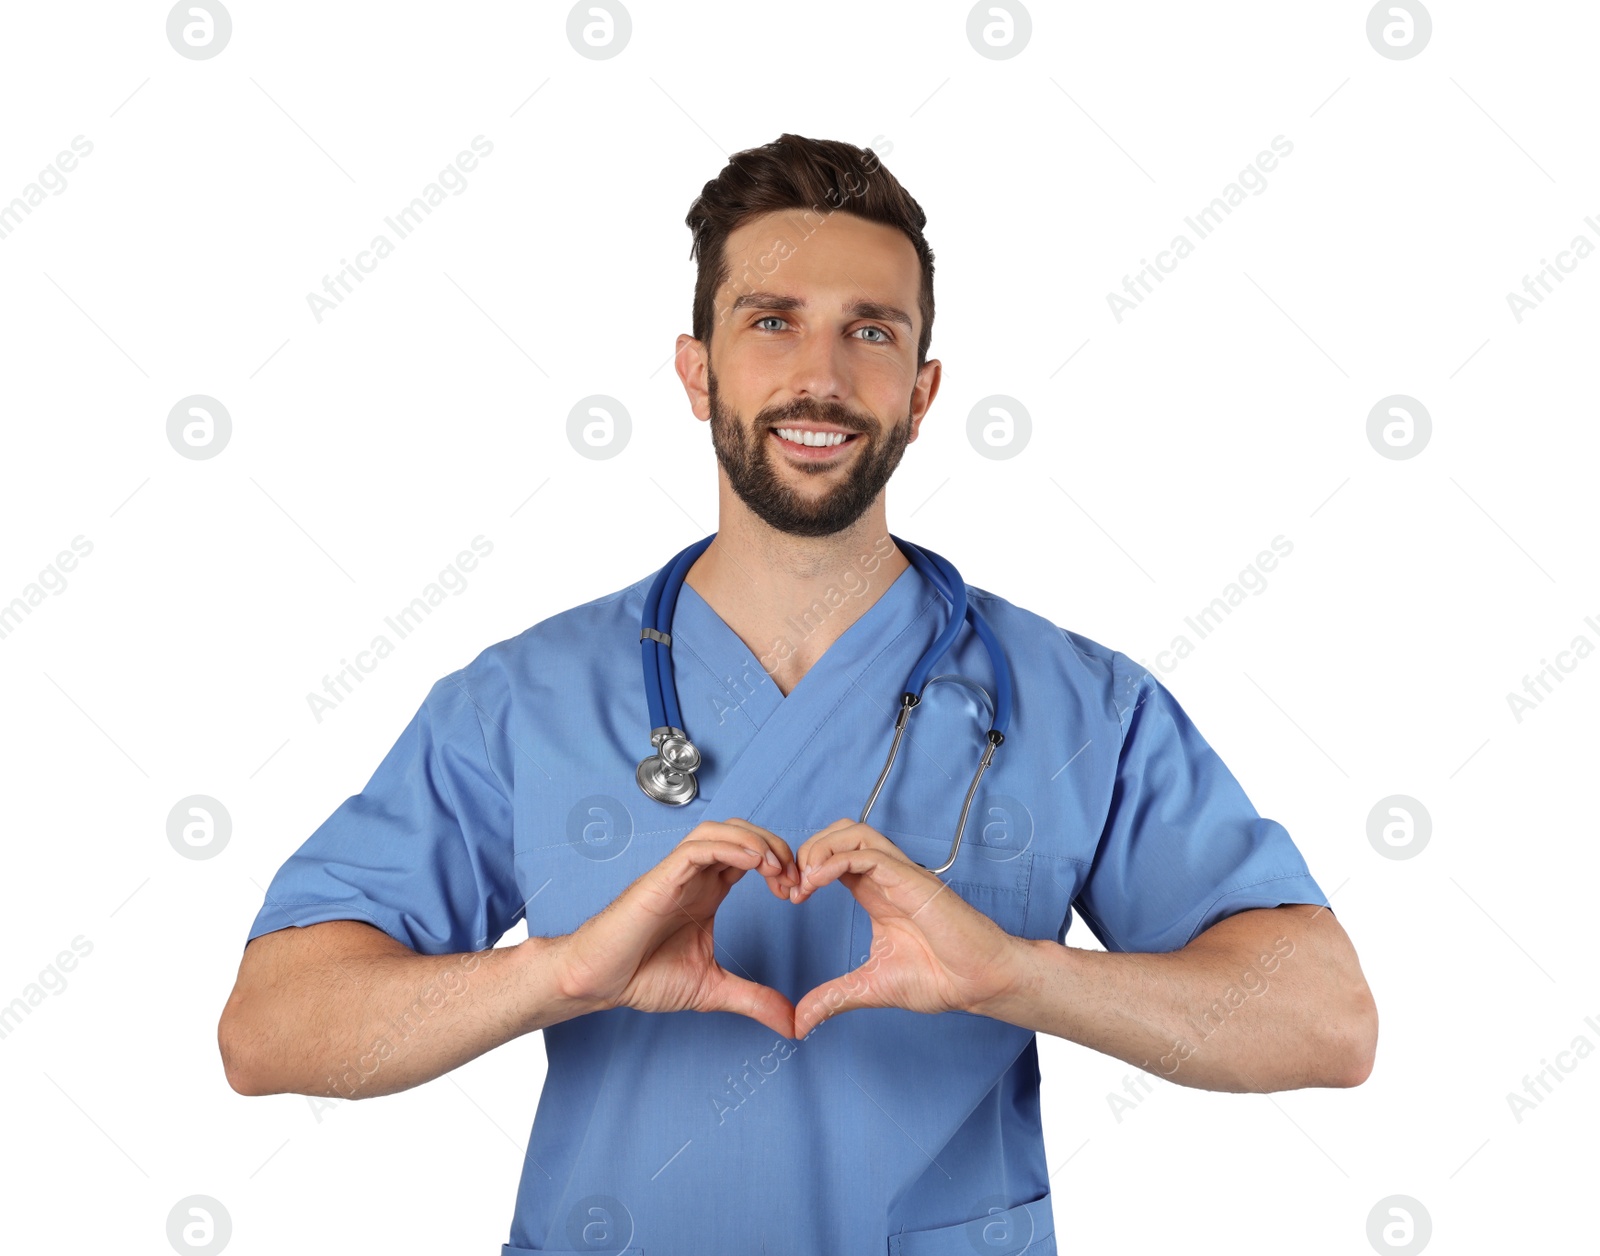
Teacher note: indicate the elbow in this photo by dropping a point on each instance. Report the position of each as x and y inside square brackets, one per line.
[233, 1061]
[236, 1062]
[240, 1085]
[1359, 1047]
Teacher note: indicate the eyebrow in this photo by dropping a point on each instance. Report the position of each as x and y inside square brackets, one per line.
[861, 309]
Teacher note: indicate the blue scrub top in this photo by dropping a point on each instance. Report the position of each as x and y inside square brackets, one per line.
[511, 793]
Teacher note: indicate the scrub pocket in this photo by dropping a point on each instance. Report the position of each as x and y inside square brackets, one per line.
[994, 881]
[1026, 1230]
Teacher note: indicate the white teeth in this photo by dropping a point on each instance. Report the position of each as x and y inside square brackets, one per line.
[812, 438]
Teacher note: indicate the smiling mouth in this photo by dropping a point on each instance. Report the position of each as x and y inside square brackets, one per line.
[813, 446]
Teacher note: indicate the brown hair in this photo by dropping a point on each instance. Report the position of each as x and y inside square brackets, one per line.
[793, 172]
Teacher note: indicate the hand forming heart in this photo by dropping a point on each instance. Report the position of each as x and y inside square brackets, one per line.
[932, 951]
[652, 949]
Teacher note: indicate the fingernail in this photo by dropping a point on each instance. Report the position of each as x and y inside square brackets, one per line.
[770, 859]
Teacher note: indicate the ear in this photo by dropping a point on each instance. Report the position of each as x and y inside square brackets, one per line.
[923, 392]
[692, 364]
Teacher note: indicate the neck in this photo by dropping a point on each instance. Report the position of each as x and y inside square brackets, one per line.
[789, 597]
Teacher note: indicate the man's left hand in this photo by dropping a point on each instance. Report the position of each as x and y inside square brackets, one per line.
[932, 951]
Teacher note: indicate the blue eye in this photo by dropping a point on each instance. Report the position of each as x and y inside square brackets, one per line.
[888, 337]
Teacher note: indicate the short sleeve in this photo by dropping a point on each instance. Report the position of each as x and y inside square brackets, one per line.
[424, 852]
[1182, 846]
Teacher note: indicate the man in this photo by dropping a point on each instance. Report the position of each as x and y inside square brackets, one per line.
[836, 1055]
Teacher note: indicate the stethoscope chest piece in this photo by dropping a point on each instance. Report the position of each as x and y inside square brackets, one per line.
[669, 775]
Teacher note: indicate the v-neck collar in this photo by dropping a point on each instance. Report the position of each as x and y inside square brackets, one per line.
[702, 634]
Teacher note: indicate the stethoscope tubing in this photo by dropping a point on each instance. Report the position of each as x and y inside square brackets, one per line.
[660, 686]
[668, 776]
[943, 575]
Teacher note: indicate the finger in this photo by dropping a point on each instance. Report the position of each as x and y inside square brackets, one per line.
[691, 881]
[749, 826]
[842, 994]
[750, 998]
[744, 832]
[826, 867]
[820, 836]
[737, 856]
[788, 873]
[840, 835]
[816, 848]
[729, 860]
[891, 872]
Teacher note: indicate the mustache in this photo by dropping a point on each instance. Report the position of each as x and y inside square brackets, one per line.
[833, 418]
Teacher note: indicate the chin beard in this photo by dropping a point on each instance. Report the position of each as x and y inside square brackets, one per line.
[750, 459]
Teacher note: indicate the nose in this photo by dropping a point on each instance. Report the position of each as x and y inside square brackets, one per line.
[817, 372]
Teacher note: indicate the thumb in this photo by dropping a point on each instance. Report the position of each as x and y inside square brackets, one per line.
[750, 998]
[842, 994]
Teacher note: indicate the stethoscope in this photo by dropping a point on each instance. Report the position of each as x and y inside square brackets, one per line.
[668, 776]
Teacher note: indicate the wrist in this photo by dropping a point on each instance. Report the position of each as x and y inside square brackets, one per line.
[557, 989]
[1018, 983]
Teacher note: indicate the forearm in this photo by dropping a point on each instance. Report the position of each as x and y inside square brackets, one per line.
[357, 1014]
[1258, 1005]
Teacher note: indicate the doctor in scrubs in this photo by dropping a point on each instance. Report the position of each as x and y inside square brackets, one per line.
[769, 1026]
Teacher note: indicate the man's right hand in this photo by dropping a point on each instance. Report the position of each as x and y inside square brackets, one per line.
[652, 948]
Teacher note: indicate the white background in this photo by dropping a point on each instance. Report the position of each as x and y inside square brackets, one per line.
[369, 448]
